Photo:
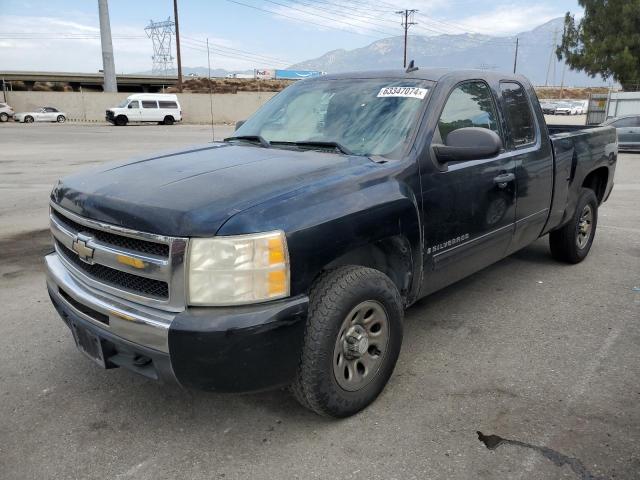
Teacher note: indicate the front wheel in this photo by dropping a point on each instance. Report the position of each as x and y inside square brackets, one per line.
[352, 341]
[572, 242]
[121, 120]
[4, 117]
[28, 119]
[61, 119]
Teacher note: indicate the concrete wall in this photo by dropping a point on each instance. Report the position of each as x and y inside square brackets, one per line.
[91, 106]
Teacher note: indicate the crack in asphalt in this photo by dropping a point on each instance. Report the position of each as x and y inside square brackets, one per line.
[492, 442]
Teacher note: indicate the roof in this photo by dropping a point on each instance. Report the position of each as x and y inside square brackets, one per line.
[432, 74]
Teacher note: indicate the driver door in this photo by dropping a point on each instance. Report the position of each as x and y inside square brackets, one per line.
[133, 111]
[469, 206]
[40, 115]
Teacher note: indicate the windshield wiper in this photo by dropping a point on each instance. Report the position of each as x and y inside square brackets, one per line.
[319, 143]
[251, 138]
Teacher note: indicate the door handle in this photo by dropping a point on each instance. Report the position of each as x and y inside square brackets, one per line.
[503, 179]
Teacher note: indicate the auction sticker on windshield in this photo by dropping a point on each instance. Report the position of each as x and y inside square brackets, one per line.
[407, 92]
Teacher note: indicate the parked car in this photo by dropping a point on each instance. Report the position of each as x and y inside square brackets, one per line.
[579, 107]
[6, 112]
[42, 114]
[287, 254]
[161, 108]
[566, 108]
[548, 108]
[628, 128]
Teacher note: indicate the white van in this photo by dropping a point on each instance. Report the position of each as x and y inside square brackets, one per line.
[162, 108]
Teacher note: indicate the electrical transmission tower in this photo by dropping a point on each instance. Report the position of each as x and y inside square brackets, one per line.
[160, 34]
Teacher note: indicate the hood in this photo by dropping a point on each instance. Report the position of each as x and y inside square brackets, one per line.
[193, 192]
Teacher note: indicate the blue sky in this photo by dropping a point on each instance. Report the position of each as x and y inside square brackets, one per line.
[242, 37]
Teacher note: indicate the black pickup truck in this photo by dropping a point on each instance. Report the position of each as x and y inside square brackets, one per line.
[287, 254]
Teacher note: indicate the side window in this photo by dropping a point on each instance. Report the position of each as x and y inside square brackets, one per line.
[167, 104]
[626, 122]
[518, 113]
[134, 104]
[469, 105]
[149, 104]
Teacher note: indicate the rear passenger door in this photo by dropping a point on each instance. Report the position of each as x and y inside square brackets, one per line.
[533, 161]
[150, 111]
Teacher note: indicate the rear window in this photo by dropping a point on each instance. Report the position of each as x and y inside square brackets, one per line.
[149, 104]
[518, 113]
[167, 104]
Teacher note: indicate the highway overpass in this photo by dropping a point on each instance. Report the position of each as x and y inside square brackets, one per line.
[88, 81]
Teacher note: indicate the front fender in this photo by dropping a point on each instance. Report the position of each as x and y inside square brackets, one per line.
[323, 224]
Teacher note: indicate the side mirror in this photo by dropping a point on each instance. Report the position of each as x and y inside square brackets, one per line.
[468, 143]
[239, 123]
[130, 105]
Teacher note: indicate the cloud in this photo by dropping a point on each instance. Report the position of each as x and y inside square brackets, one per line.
[434, 17]
[73, 45]
[509, 19]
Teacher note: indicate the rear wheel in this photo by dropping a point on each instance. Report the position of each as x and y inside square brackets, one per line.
[4, 117]
[168, 120]
[121, 120]
[352, 341]
[61, 119]
[28, 119]
[572, 242]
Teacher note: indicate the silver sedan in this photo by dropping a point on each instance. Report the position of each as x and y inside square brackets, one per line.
[43, 114]
[628, 128]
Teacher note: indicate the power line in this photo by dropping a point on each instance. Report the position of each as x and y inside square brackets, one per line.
[298, 19]
[265, 57]
[324, 16]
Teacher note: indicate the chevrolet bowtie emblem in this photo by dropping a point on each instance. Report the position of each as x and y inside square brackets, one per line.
[79, 245]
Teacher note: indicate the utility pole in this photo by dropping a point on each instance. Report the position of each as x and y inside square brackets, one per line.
[407, 21]
[515, 59]
[213, 135]
[175, 14]
[553, 48]
[108, 65]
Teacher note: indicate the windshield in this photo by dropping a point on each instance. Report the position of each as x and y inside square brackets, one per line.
[366, 116]
[123, 103]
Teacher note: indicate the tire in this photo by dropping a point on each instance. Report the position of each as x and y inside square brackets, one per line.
[28, 119]
[346, 359]
[168, 120]
[121, 120]
[572, 242]
[61, 119]
[4, 117]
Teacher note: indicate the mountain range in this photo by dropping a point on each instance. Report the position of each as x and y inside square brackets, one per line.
[536, 55]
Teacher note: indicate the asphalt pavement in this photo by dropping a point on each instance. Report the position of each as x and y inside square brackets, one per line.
[542, 358]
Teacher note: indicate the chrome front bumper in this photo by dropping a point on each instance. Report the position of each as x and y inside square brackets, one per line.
[141, 325]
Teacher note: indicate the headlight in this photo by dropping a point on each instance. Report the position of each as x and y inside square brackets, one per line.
[238, 270]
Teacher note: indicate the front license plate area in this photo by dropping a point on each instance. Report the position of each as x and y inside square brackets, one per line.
[89, 344]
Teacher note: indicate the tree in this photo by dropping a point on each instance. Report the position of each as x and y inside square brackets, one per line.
[606, 41]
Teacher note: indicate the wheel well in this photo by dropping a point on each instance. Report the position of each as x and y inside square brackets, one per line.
[597, 181]
[392, 256]
[169, 116]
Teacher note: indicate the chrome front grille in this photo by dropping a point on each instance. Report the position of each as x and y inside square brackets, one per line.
[138, 266]
[116, 278]
[137, 245]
